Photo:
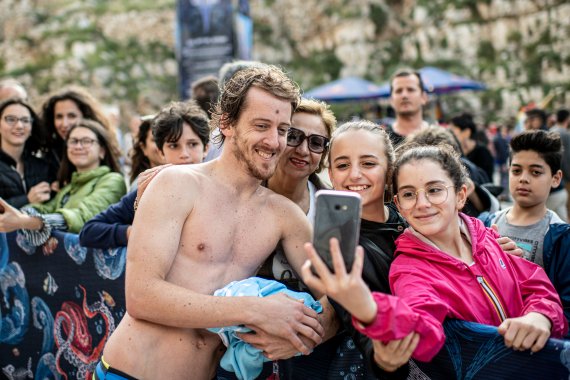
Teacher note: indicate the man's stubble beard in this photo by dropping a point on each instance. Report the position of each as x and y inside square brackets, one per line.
[239, 154]
[408, 114]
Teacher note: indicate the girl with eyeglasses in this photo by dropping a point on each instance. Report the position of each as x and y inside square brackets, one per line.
[89, 179]
[25, 176]
[446, 265]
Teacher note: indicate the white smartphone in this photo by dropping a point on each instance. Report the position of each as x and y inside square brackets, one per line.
[337, 215]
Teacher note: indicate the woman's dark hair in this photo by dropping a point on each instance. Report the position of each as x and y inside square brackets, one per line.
[140, 162]
[442, 154]
[205, 92]
[66, 168]
[37, 140]
[90, 109]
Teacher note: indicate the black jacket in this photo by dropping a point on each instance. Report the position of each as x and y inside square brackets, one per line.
[378, 241]
[12, 188]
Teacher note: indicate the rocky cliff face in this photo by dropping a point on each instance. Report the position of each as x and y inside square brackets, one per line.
[519, 48]
[123, 50]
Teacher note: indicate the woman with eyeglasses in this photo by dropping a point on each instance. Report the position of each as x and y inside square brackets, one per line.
[446, 265]
[25, 176]
[89, 179]
[65, 108]
[296, 174]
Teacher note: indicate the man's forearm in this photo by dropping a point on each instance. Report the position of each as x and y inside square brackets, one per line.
[328, 319]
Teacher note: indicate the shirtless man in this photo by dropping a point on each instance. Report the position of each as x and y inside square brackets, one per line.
[199, 227]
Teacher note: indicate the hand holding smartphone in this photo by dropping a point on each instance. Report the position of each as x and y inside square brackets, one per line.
[337, 215]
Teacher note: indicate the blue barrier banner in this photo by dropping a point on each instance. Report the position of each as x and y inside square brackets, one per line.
[474, 351]
[204, 39]
[59, 303]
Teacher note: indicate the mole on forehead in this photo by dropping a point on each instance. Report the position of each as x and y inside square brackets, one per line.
[276, 111]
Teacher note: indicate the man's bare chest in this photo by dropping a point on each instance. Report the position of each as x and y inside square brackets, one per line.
[224, 234]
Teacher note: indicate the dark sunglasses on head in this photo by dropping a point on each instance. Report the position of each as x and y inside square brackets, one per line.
[316, 143]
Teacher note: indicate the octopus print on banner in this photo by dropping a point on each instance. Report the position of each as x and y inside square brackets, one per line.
[59, 304]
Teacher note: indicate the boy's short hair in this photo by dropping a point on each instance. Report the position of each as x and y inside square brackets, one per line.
[168, 124]
[548, 145]
[463, 122]
[562, 115]
[536, 112]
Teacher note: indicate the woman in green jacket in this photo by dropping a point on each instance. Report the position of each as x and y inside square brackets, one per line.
[89, 179]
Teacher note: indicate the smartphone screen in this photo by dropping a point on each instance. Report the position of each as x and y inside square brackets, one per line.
[337, 215]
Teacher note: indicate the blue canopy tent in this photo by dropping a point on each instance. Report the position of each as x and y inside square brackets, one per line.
[440, 81]
[346, 89]
[437, 81]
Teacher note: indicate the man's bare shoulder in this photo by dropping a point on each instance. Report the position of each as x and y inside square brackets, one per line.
[285, 207]
[182, 175]
[175, 185]
[277, 200]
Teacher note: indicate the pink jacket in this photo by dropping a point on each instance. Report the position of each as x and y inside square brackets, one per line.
[431, 286]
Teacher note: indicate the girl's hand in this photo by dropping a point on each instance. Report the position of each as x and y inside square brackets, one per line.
[529, 331]
[144, 180]
[396, 353]
[12, 219]
[39, 193]
[507, 244]
[349, 290]
[54, 186]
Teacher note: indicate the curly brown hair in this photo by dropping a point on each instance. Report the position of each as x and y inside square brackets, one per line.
[232, 100]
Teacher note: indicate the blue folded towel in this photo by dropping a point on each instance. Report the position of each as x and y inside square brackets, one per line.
[242, 358]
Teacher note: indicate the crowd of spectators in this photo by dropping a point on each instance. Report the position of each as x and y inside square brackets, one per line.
[63, 167]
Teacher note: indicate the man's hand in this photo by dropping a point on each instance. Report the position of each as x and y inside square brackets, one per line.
[274, 347]
[12, 219]
[287, 318]
[395, 353]
[507, 244]
[529, 331]
[39, 193]
[144, 179]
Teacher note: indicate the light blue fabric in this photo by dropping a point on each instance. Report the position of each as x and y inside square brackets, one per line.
[242, 358]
